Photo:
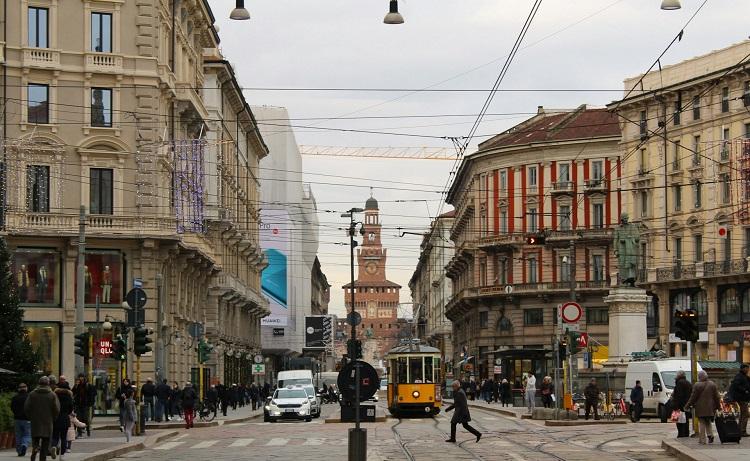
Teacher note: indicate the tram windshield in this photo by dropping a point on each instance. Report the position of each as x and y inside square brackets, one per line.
[416, 370]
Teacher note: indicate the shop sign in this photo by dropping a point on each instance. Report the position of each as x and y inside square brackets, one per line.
[104, 347]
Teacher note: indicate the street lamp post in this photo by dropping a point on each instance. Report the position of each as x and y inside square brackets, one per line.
[357, 436]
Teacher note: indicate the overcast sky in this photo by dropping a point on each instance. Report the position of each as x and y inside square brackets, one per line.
[585, 47]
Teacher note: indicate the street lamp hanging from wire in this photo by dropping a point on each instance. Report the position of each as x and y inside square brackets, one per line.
[239, 13]
[393, 16]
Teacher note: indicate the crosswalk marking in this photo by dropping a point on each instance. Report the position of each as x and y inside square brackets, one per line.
[277, 442]
[616, 444]
[168, 445]
[206, 444]
[314, 442]
[180, 437]
[653, 443]
[241, 442]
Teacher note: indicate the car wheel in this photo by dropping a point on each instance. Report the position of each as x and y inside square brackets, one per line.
[308, 419]
[266, 418]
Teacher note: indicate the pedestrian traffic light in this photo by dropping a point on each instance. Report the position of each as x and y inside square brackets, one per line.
[354, 349]
[141, 341]
[573, 342]
[120, 348]
[535, 240]
[82, 345]
[686, 325]
[204, 349]
[562, 351]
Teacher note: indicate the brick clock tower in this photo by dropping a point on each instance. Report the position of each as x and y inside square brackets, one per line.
[376, 297]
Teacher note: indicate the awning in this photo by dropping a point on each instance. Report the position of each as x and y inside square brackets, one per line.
[521, 353]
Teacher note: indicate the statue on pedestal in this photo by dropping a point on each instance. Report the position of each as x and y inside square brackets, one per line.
[627, 245]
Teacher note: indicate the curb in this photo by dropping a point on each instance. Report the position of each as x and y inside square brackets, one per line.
[682, 452]
[551, 422]
[501, 411]
[109, 453]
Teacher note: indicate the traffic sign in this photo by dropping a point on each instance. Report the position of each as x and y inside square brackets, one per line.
[137, 283]
[571, 327]
[571, 312]
[508, 289]
[368, 381]
[259, 369]
[195, 330]
[258, 358]
[583, 340]
[354, 318]
[136, 298]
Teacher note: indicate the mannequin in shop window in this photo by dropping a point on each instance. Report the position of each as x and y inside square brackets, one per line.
[23, 283]
[42, 281]
[86, 282]
[106, 284]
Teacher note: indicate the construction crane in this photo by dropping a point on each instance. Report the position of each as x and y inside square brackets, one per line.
[413, 153]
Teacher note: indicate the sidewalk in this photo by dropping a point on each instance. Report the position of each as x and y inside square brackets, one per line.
[107, 441]
[688, 449]
[513, 412]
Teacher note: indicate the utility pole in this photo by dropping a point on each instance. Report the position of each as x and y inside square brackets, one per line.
[568, 377]
[160, 372]
[80, 365]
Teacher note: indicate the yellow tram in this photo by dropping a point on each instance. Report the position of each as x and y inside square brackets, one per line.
[414, 380]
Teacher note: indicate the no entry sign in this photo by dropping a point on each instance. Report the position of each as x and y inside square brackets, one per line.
[571, 312]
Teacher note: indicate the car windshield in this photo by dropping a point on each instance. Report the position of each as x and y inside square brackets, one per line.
[293, 382]
[291, 394]
[668, 377]
[310, 391]
[383, 383]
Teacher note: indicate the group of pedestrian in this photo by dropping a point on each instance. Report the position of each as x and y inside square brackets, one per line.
[46, 419]
[489, 390]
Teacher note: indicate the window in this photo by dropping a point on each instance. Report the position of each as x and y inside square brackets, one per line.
[564, 172]
[725, 144]
[532, 176]
[696, 150]
[678, 249]
[676, 157]
[677, 110]
[728, 246]
[598, 215]
[747, 130]
[564, 214]
[501, 270]
[532, 269]
[38, 103]
[564, 268]
[725, 99]
[644, 203]
[38, 27]
[725, 188]
[503, 179]
[484, 319]
[696, 108]
[100, 190]
[37, 188]
[503, 221]
[644, 124]
[532, 317]
[677, 197]
[101, 32]
[698, 247]
[597, 316]
[597, 170]
[101, 107]
[729, 306]
[598, 267]
[697, 193]
[532, 220]
[747, 241]
[643, 162]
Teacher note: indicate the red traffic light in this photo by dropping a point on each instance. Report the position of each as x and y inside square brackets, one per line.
[535, 240]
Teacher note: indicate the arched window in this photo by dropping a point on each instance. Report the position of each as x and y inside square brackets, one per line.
[729, 307]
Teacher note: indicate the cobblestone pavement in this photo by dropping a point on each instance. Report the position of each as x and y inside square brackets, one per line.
[415, 439]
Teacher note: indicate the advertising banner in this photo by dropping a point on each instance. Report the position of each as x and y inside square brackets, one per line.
[275, 233]
[318, 332]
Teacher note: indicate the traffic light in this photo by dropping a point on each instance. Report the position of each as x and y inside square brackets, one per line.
[686, 326]
[82, 345]
[204, 349]
[535, 240]
[141, 341]
[120, 348]
[354, 349]
[562, 350]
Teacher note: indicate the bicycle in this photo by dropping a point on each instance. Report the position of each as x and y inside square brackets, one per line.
[206, 411]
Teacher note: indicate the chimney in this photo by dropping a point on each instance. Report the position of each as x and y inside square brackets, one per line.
[539, 110]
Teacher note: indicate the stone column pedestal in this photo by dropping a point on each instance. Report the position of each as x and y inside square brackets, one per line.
[627, 322]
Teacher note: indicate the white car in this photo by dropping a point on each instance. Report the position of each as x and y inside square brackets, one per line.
[288, 403]
[315, 403]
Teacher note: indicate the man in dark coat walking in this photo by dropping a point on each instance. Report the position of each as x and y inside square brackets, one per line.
[636, 399]
[163, 392]
[680, 397]
[22, 424]
[189, 399]
[461, 416]
[42, 407]
[739, 391]
[591, 393]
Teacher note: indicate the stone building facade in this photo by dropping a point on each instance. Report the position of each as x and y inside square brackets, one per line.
[125, 116]
[554, 176]
[431, 288]
[686, 159]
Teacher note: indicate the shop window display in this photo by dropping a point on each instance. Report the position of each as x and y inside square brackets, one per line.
[45, 339]
[36, 273]
[102, 277]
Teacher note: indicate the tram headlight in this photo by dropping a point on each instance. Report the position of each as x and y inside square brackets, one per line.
[415, 394]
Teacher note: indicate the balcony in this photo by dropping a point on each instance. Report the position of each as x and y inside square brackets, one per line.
[595, 186]
[502, 240]
[732, 267]
[596, 234]
[234, 290]
[562, 188]
[701, 270]
[105, 63]
[97, 225]
[676, 272]
[43, 58]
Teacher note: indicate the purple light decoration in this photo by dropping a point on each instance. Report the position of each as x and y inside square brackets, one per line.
[188, 185]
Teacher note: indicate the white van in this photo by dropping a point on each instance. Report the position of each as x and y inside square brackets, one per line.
[294, 378]
[657, 378]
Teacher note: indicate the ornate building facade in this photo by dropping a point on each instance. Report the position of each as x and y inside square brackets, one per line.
[555, 176]
[135, 117]
[686, 159]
